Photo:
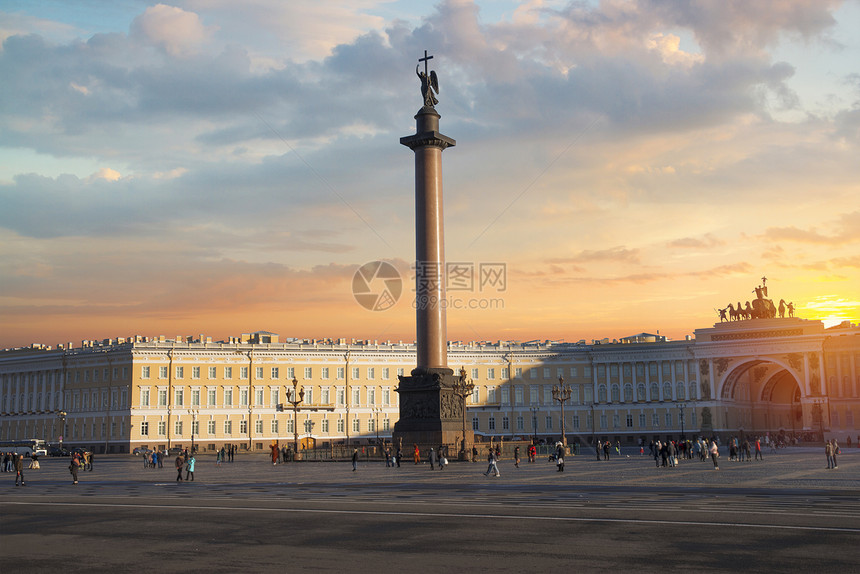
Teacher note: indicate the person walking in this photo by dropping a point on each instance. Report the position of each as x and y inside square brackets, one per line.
[179, 463]
[835, 446]
[828, 452]
[492, 467]
[517, 457]
[354, 459]
[399, 456]
[758, 454]
[559, 457]
[189, 468]
[19, 470]
[431, 457]
[90, 457]
[598, 449]
[74, 465]
[416, 454]
[715, 454]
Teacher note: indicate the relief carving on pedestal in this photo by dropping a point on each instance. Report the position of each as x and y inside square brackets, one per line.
[418, 406]
[451, 406]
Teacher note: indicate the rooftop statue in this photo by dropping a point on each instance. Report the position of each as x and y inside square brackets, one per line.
[429, 82]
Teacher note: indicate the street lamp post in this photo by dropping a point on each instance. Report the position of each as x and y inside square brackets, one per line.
[300, 396]
[681, 407]
[62, 416]
[534, 411]
[593, 442]
[193, 413]
[463, 388]
[376, 411]
[561, 393]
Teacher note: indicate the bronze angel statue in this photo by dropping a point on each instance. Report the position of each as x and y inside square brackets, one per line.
[428, 86]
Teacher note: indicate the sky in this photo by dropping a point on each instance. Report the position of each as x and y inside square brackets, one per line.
[218, 167]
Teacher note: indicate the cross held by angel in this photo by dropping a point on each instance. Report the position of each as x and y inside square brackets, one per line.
[429, 82]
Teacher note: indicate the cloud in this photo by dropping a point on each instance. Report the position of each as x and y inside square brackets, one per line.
[706, 242]
[614, 254]
[172, 29]
[847, 230]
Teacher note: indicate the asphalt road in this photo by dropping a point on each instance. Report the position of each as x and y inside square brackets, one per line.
[786, 514]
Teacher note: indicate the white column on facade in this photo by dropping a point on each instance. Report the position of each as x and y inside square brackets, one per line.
[660, 380]
[821, 374]
[672, 365]
[621, 382]
[634, 382]
[687, 379]
[712, 380]
[648, 396]
[840, 389]
[854, 378]
[593, 382]
[807, 387]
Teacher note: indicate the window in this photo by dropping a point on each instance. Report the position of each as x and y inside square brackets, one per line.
[588, 394]
[275, 427]
[505, 373]
[324, 426]
[641, 421]
[275, 373]
[603, 421]
[258, 398]
[162, 397]
[228, 427]
[574, 393]
[309, 372]
[178, 396]
[655, 392]
[340, 373]
[629, 421]
[210, 397]
[601, 394]
[243, 372]
[356, 396]
[371, 396]
[324, 373]
[275, 397]
[506, 396]
[520, 423]
[616, 394]
[258, 372]
[546, 372]
[492, 423]
[518, 372]
[144, 397]
[162, 428]
[693, 393]
[195, 427]
[162, 372]
[341, 396]
[628, 393]
[243, 397]
[506, 423]
[400, 372]
[195, 372]
[180, 372]
[475, 424]
[195, 397]
[258, 426]
[228, 372]
[474, 374]
[640, 392]
[386, 396]
[491, 374]
[548, 423]
[290, 425]
[476, 395]
[228, 397]
[680, 391]
[210, 427]
[655, 420]
[371, 373]
[291, 373]
[340, 426]
[518, 395]
[576, 421]
[144, 372]
[668, 420]
[355, 425]
[491, 395]
[144, 428]
[547, 395]
[355, 374]
[371, 425]
[386, 373]
[309, 395]
[177, 428]
[213, 372]
[573, 372]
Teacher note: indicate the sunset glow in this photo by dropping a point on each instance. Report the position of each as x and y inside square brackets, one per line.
[215, 168]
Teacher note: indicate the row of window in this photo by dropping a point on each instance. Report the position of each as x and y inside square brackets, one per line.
[274, 426]
[277, 396]
[575, 420]
[680, 392]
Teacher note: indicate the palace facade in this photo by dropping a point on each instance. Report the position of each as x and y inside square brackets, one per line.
[773, 375]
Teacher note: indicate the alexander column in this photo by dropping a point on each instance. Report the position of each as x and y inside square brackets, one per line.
[430, 412]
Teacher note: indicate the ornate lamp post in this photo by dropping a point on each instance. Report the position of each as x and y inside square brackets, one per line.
[463, 388]
[593, 442]
[534, 411]
[62, 417]
[300, 397]
[561, 393]
[681, 407]
[193, 413]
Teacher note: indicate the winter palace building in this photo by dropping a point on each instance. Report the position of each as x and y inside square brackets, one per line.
[777, 375]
